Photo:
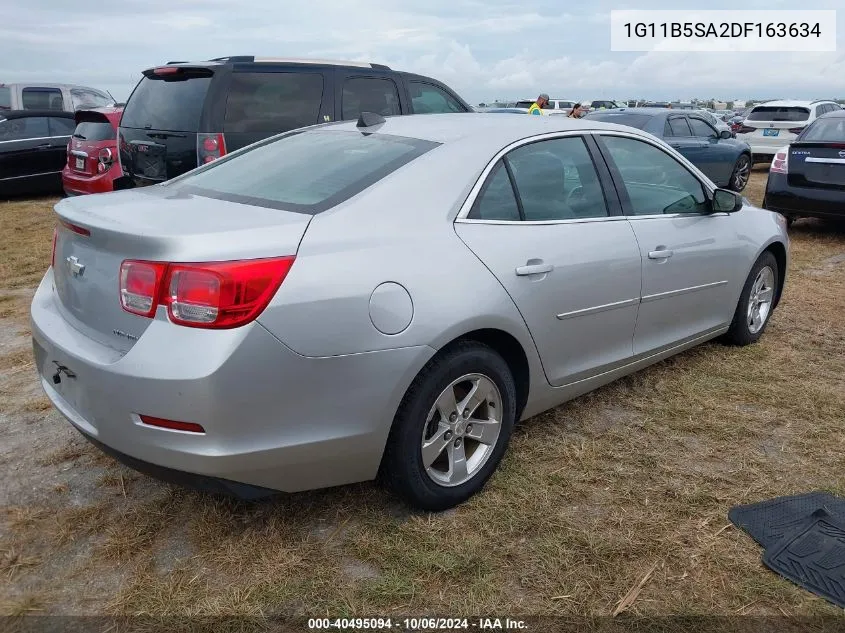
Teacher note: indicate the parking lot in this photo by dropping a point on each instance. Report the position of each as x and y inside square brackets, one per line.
[591, 497]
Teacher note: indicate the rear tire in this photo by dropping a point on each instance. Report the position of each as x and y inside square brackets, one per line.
[756, 303]
[432, 459]
[740, 173]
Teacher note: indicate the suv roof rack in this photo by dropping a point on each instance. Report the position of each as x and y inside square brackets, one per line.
[299, 60]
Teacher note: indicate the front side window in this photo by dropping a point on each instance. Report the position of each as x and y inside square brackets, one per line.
[556, 180]
[655, 182]
[42, 99]
[429, 99]
[24, 128]
[701, 128]
[270, 103]
[369, 94]
[305, 171]
[60, 126]
[84, 98]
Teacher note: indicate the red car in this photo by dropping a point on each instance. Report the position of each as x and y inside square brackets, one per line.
[92, 164]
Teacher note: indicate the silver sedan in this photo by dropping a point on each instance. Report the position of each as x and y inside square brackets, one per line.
[387, 298]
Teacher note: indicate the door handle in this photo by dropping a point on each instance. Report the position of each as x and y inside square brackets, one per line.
[43, 146]
[660, 254]
[534, 269]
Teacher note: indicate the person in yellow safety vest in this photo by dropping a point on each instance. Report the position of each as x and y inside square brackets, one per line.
[537, 106]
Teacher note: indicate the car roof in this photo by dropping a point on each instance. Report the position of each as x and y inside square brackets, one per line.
[23, 114]
[645, 110]
[294, 61]
[446, 128]
[45, 84]
[790, 103]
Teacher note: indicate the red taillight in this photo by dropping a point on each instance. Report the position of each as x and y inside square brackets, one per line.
[780, 163]
[795, 130]
[747, 129]
[139, 286]
[210, 147]
[215, 295]
[53, 254]
[165, 70]
[79, 230]
[172, 424]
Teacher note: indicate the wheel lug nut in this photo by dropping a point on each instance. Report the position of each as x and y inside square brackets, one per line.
[466, 413]
[453, 417]
[458, 443]
[448, 435]
[469, 428]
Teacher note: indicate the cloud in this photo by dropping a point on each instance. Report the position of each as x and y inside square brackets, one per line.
[484, 50]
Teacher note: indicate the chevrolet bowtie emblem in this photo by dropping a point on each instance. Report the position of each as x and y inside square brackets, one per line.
[74, 266]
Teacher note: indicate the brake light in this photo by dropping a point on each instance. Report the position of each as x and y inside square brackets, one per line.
[105, 159]
[76, 229]
[780, 163]
[795, 130]
[215, 295]
[210, 147]
[172, 424]
[165, 70]
[746, 129]
[139, 286]
[53, 254]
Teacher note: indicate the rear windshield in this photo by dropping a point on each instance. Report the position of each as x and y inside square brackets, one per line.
[825, 130]
[778, 113]
[304, 171]
[167, 104]
[95, 131]
[632, 120]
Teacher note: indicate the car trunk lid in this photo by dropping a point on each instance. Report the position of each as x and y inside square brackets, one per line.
[94, 133]
[97, 233]
[817, 164]
[160, 123]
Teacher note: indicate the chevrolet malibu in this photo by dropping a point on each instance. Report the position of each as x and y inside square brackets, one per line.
[387, 298]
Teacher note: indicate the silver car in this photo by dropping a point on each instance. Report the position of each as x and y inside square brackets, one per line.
[387, 297]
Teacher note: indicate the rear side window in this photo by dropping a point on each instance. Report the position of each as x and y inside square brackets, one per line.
[172, 104]
[95, 131]
[496, 201]
[5, 98]
[270, 103]
[778, 113]
[825, 130]
[60, 126]
[638, 121]
[88, 98]
[369, 94]
[429, 99]
[306, 171]
[25, 128]
[42, 99]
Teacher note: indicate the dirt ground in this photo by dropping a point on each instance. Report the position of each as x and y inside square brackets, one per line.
[637, 476]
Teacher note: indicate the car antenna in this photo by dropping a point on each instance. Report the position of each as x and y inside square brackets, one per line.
[370, 119]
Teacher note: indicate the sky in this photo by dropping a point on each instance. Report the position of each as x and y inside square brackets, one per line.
[485, 50]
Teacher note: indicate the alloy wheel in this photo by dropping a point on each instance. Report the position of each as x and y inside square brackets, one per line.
[742, 171]
[461, 430]
[760, 300]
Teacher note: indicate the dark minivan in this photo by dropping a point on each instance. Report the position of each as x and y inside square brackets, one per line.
[183, 114]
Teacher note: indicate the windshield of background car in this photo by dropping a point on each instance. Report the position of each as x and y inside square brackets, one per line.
[779, 113]
[95, 131]
[306, 172]
[638, 121]
[825, 130]
[171, 104]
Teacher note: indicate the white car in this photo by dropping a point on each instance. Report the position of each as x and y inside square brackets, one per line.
[555, 105]
[769, 126]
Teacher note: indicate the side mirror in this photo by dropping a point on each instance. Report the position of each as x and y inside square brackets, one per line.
[725, 134]
[725, 201]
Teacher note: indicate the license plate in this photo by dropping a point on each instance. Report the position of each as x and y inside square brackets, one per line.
[80, 164]
[771, 132]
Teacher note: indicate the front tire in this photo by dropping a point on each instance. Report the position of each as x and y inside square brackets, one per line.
[740, 173]
[756, 302]
[452, 428]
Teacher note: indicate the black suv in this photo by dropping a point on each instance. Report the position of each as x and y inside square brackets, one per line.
[184, 114]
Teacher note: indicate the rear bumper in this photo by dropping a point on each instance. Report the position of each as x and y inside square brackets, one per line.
[802, 201]
[273, 419]
[763, 148]
[76, 184]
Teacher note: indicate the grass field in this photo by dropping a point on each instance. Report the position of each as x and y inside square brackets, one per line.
[630, 483]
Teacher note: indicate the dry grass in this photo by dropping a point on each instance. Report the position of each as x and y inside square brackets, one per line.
[634, 478]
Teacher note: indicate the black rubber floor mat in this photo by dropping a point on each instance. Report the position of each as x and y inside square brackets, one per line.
[769, 521]
[813, 557]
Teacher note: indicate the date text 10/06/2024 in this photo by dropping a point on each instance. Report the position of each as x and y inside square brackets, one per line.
[416, 624]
